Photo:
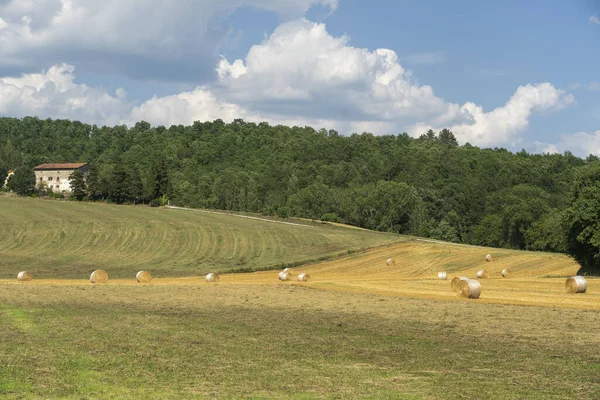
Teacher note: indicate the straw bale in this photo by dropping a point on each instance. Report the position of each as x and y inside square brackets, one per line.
[442, 276]
[455, 281]
[285, 276]
[469, 288]
[390, 261]
[212, 277]
[303, 277]
[489, 258]
[576, 284]
[506, 273]
[24, 276]
[482, 274]
[143, 277]
[99, 276]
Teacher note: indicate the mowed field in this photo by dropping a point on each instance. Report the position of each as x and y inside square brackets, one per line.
[358, 329]
[59, 240]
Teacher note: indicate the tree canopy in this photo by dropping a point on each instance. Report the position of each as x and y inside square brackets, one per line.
[429, 186]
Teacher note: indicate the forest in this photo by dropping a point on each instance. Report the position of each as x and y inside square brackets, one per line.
[428, 186]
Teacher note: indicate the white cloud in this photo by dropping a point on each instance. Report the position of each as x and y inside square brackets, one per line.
[185, 108]
[143, 38]
[594, 20]
[503, 124]
[55, 94]
[300, 75]
[581, 144]
[302, 70]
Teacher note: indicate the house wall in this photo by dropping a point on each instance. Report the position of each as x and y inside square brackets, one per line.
[58, 180]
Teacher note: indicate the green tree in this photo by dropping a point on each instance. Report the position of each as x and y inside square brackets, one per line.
[78, 186]
[548, 233]
[447, 137]
[160, 176]
[582, 219]
[23, 181]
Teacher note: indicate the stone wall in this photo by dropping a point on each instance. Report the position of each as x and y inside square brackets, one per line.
[58, 180]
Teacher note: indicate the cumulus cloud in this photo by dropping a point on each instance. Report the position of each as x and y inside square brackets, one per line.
[187, 107]
[55, 94]
[580, 143]
[302, 70]
[300, 75]
[141, 38]
[594, 20]
[503, 124]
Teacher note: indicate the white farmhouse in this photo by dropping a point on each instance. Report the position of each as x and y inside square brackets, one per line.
[56, 176]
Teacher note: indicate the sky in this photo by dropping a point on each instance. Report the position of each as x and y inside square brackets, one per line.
[517, 74]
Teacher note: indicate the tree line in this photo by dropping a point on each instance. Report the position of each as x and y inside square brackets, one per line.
[428, 186]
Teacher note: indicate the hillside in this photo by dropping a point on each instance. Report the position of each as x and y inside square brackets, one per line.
[54, 239]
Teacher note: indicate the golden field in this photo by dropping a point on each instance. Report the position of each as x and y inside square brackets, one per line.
[536, 278]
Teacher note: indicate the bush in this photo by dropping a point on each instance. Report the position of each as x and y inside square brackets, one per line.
[155, 202]
[330, 217]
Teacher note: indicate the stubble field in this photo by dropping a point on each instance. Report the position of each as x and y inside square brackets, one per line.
[358, 329]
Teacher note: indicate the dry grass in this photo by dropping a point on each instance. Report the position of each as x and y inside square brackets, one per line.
[537, 278]
[245, 341]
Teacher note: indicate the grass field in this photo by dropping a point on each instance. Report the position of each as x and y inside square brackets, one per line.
[358, 329]
[286, 341]
[55, 239]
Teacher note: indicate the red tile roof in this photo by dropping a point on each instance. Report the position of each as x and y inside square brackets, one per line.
[60, 166]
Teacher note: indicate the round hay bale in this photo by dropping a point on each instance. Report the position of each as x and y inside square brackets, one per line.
[303, 277]
[99, 276]
[390, 261]
[285, 276]
[442, 276]
[506, 273]
[489, 258]
[482, 274]
[576, 284]
[24, 276]
[469, 289]
[143, 277]
[212, 277]
[454, 282]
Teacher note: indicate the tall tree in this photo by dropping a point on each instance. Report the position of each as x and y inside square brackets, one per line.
[582, 218]
[23, 181]
[78, 186]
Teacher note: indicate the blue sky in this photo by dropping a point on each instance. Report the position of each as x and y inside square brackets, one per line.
[513, 74]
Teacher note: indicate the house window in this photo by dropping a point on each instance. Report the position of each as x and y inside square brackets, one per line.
[50, 178]
[41, 178]
[58, 179]
[57, 186]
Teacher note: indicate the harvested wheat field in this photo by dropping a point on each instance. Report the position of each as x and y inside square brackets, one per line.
[536, 278]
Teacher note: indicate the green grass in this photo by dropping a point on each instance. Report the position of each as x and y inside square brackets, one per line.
[54, 239]
[227, 341]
